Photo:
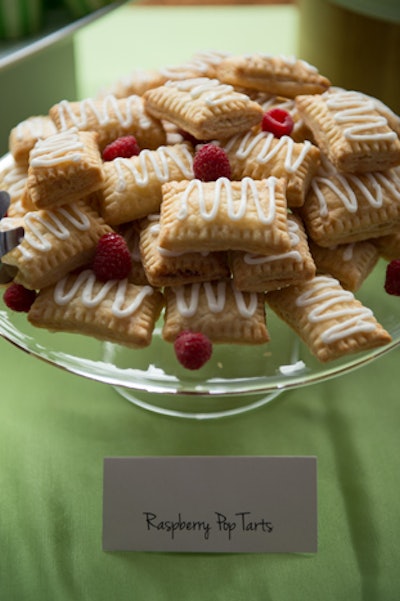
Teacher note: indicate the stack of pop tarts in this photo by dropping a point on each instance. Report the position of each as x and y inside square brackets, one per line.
[296, 229]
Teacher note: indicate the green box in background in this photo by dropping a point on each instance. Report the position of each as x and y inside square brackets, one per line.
[37, 67]
[356, 43]
[31, 85]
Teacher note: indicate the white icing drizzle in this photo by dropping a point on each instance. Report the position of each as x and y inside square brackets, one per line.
[200, 63]
[324, 295]
[235, 210]
[57, 148]
[126, 111]
[38, 226]
[391, 183]
[157, 161]
[351, 184]
[211, 57]
[270, 148]
[290, 61]
[211, 91]
[36, 127]
[255, 259]
[358, 114]
[84, 284]
[187, 299]
[184, 70]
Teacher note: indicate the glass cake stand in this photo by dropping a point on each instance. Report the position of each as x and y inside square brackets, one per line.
[235, 380]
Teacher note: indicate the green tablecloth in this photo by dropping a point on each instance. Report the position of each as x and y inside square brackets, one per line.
[56, 428]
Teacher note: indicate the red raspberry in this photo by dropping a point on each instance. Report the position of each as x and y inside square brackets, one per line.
[19, 298]
[392, 280]
[277, 121]
[192, 349]
[112, 260]
[211, 162]
[125, 147]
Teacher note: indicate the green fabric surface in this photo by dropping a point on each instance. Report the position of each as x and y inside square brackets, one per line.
[56, 429]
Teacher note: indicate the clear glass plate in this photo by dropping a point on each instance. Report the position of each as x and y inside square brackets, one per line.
[236, 379]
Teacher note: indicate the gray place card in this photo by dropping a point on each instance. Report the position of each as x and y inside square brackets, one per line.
[212, 504]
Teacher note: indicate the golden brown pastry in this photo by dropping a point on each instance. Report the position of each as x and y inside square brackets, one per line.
[13, 179]
[345, 208]
[24, 136]
[201, 64]
[204, 107]
[249, 215]
[64, 168]
[392, 118]
[55, 242]
[136, 83]
[275, 75]
[329, 319]
[350, 131]
[261, 273]
[111, 118]
[132, 187]
[298, 225]
[259, 154]
[116, 311]
[169, 268]
[349, 263]
[218, 310]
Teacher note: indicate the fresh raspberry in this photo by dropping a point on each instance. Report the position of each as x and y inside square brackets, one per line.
[277, 121]
[124, 147]
[19, 298]
[192, 349]
[112, 259]
[392, 280]
[211, 162]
